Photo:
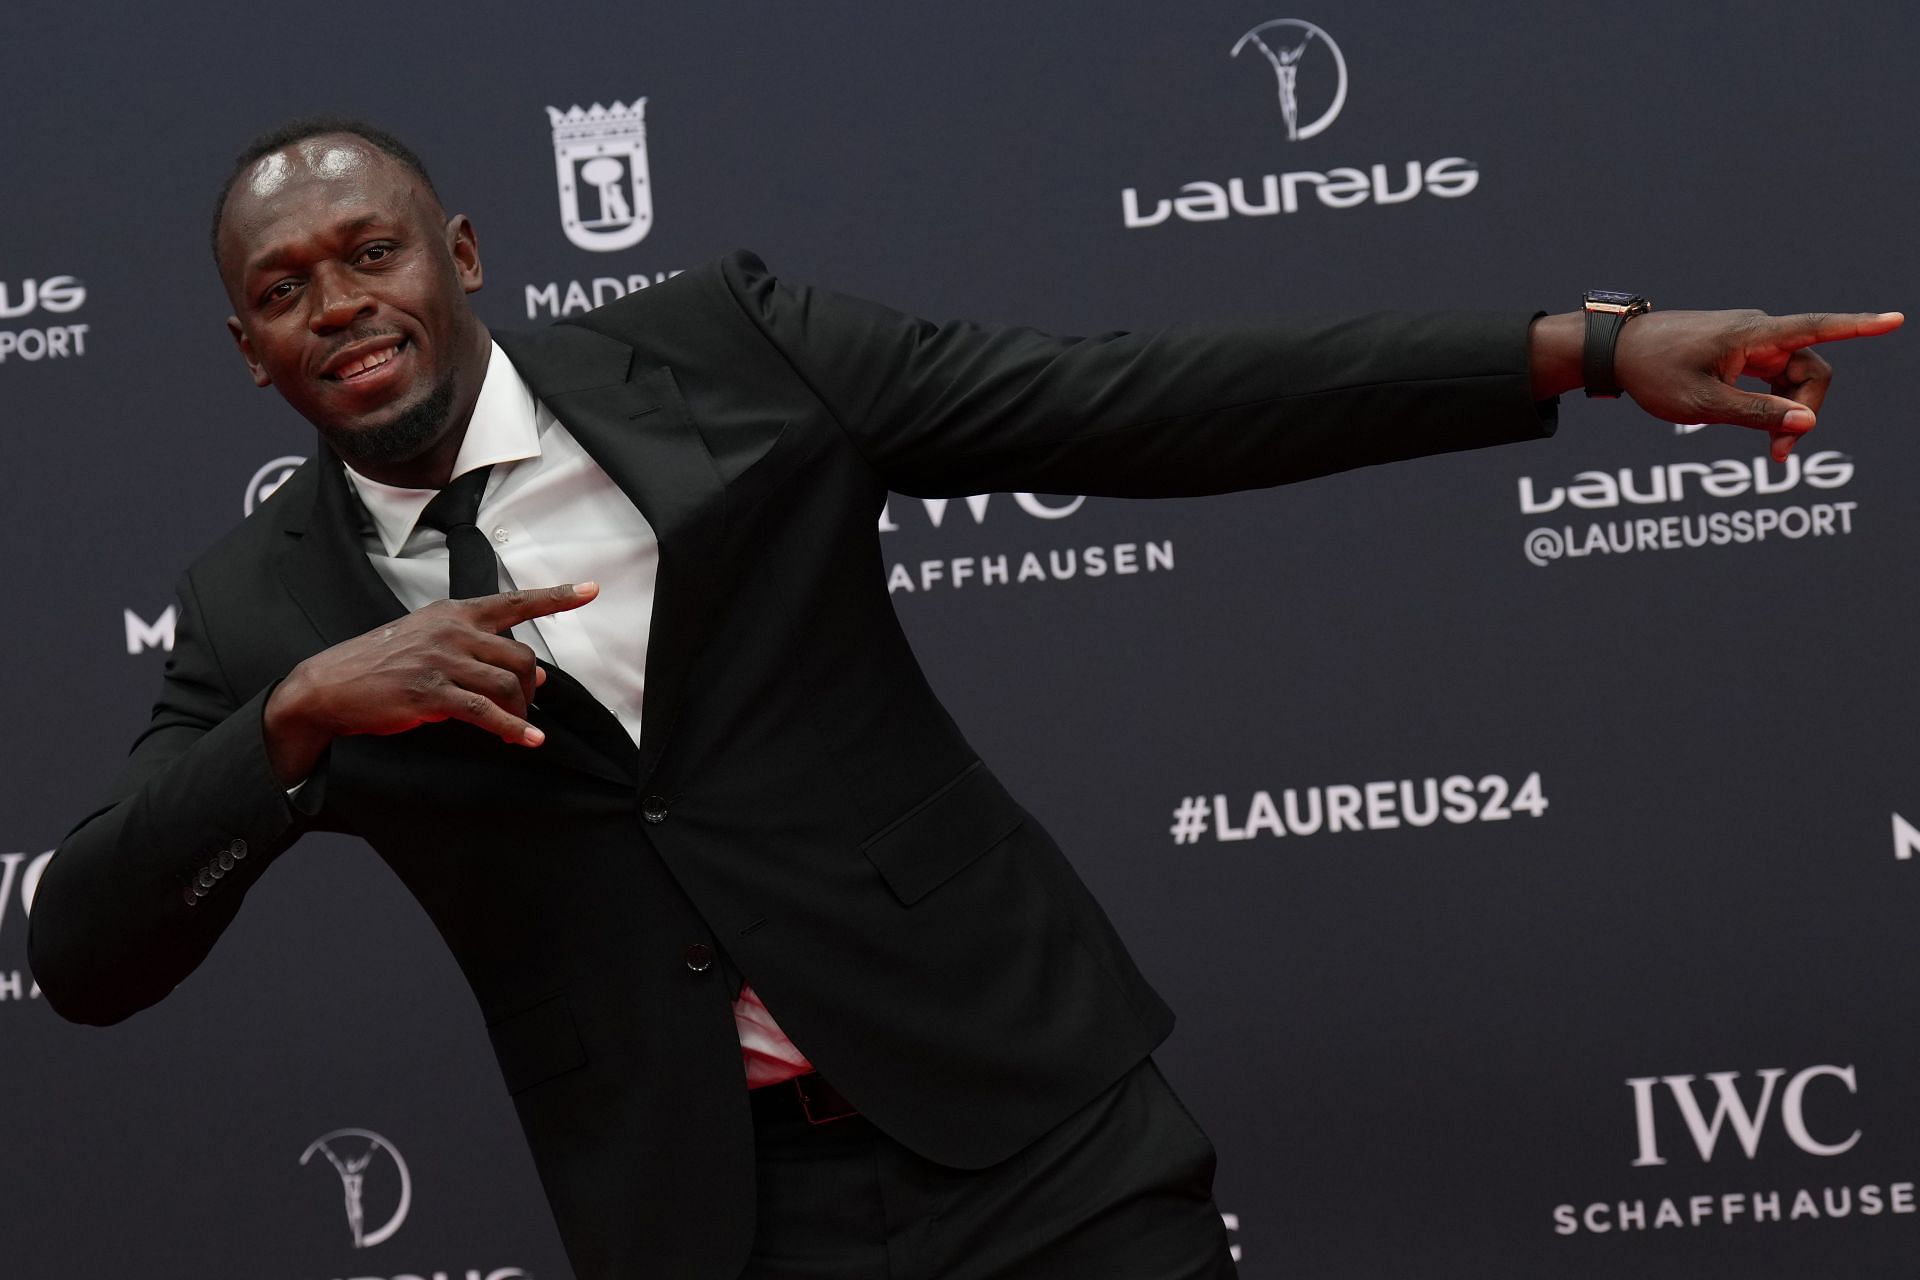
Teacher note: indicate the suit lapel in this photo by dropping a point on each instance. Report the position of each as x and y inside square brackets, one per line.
[635, 425]
[326, 571]
[326, 568]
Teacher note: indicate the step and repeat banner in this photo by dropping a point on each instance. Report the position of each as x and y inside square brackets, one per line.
[1526, 838]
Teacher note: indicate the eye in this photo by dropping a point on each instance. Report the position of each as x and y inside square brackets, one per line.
[376, 252]
[279, 291]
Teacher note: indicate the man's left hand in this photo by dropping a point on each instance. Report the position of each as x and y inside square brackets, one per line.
[1683, 366]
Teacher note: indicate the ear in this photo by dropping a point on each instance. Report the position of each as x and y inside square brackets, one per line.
[463, 242]
[254, 367]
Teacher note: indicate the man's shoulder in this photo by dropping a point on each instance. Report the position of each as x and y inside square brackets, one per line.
[709, 289]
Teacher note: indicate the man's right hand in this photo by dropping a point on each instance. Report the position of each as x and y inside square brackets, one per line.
[441, 662]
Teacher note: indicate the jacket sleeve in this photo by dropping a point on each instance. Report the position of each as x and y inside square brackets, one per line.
[958, 408]
[138, 892]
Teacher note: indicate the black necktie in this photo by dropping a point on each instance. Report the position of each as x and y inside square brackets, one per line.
[472, 569]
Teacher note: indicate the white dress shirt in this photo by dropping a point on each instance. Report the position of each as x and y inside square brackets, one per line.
[555, 517]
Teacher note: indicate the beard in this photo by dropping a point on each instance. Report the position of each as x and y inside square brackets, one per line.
[407, 435]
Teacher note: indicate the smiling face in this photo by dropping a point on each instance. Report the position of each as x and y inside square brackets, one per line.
[349, 285]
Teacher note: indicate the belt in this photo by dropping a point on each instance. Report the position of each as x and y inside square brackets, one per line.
[807, 1098]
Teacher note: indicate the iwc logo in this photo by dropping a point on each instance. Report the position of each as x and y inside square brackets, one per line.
[355, 1156]
[1286, 43]
[268, 479]
[600, 160]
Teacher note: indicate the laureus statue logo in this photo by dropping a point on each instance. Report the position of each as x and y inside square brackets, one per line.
[268, 479]
[351, 1152]
[1285, 43]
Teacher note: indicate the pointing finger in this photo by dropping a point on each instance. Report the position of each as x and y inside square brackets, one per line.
[1837, 326]
[511, 608]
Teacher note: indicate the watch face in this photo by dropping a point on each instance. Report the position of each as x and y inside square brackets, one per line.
[1612, 297]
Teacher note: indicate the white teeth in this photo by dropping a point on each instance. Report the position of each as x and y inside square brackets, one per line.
[365, 363]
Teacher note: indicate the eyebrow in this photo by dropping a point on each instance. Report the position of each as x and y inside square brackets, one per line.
[273, 258]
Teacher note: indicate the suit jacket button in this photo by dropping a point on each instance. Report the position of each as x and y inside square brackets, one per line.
[193, 899]
[206, 880]
[238, 848]
[654, 809]
[699, 957]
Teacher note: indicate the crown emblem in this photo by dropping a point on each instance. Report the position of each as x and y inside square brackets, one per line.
[597, 121]
[600, 159]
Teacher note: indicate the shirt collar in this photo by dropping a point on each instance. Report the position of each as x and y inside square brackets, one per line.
[504, 428]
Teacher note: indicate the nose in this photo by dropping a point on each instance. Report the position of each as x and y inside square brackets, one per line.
[338, 299]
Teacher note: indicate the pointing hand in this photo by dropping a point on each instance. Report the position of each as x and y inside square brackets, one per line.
[446, 661]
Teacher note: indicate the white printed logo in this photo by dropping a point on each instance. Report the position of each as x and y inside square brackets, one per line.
[18, 868]
[1731, 1110]
[1015, 568]
[19, 878]
[268, 479]
[1728, 1111]
[1309, 105]
[1374, 806]
[1285, 43]
[58, 295]
[355, 1153]
[1906, 839]
[600, 160]
[1665, 484]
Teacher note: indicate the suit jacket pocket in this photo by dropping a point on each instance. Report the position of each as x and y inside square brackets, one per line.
[935, 840]
[535, 1044]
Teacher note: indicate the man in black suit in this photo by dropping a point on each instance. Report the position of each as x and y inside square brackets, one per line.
[703, 825]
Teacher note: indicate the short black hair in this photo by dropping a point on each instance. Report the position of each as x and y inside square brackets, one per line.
[299, 131]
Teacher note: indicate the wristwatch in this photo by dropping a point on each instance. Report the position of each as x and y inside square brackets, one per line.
[1607, 313]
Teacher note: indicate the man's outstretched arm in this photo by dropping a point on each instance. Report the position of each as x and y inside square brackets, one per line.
[945, 409]
[1682, 365]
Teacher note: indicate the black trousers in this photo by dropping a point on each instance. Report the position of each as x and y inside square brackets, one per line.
[1121, 1190]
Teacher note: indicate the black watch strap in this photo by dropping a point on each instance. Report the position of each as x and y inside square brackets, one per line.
[1607, 313]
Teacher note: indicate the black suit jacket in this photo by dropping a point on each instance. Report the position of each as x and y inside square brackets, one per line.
[800, 801]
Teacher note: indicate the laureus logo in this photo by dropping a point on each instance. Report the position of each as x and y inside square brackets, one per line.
[1287, 44]
[354, 1154]
[268, 479]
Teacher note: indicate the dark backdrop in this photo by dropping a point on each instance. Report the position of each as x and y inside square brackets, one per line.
[1413, 1043]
